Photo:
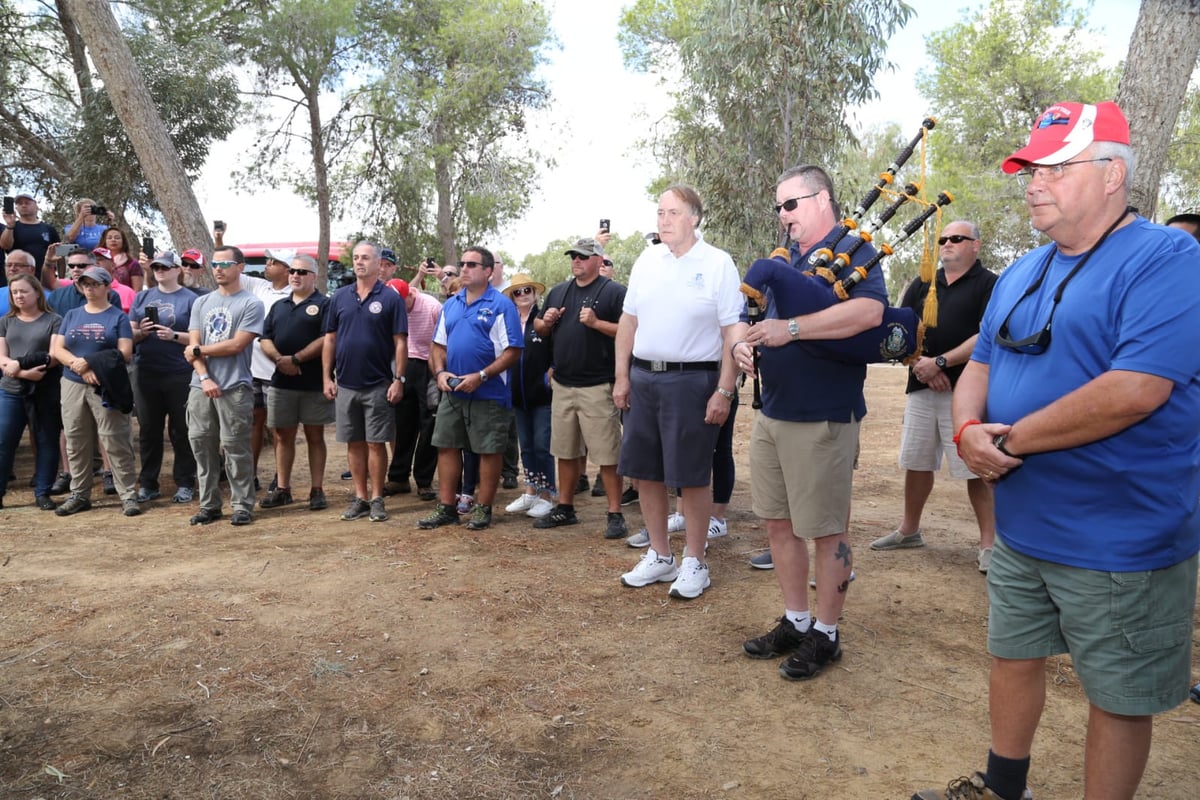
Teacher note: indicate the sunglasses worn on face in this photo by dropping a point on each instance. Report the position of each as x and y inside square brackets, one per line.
[192, 265]
[522, 290]
[956, 239]
[224, 264]
[84, 265]
[161, 268]
[579, 257]
[790, 205]
[465, 264]
[299, 271]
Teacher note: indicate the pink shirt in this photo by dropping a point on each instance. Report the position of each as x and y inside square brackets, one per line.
[422, 321]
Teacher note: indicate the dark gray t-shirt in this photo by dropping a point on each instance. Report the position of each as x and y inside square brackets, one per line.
[24, 338]
[218, 317]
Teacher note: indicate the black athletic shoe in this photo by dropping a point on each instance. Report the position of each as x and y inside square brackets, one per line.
[205, 516]
[357, 509]
[443, 514]
[481, 518]
[617, 529]
[629, 496]
[73, 505]
[779, 641]
[62, 484]
[276, 498]
[812, 656]
[598, 489]
[241, 517]
[582, 485]
[508, 482]
[559, 515]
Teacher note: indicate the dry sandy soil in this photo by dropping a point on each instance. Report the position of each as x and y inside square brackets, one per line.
[304, 657]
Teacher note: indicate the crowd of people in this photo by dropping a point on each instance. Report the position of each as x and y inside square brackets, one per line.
[1078, 440]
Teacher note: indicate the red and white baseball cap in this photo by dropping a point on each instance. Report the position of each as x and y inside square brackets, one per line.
[192, 255]
[1064, 130]
[400, 286]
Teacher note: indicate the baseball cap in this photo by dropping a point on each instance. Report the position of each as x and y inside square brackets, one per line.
[1064, 130]
[26, 195]
[586, 247]
[193, 255]
[401, 287]
[99, 274]
[103, 252]
[386, 254]
[285, 256]
[166, 258]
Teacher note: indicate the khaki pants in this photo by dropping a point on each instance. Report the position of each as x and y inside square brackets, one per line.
[84, 418]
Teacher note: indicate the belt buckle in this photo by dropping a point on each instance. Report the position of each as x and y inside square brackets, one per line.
[658, 366]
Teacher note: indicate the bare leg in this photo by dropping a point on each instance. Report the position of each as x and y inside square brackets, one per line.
[449, 465]
[1117, 749]
[285, 456]
[314, 435]
[917, 486]
[834, 560]
[653, 500]
[695, 501]
[1016, 696]
[790, 555]
[612, 486]
[356, 455]
[490, 467]
[568, 476]
[377, 465]
[980, 495]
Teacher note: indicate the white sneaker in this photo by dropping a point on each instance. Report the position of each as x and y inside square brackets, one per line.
[717, 528]
[985, 559]
[692, 580]
[523, 502]
[651, 569]
[639, 539]
[540, 508]
[676, 523]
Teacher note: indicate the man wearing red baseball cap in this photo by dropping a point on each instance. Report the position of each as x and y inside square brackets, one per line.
[193, 271]
[1081, 406]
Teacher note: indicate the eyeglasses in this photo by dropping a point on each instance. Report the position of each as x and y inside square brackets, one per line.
[449, 274]
[579, 257]
[161, 267]
[607, 263]
[522, 290]
[89, 284]
[956, 239]
[224, 264]
[465, 264]
[18, 264]
[192, 265]
[82, 265]
[1051, 172]
[790, 205]
[299, 271]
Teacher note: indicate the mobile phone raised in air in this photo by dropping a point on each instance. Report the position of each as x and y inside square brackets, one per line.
[148, 246]
[10, 205]
[605, 226]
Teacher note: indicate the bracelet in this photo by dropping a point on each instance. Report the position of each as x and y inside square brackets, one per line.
[958, 436]
[204, 378]
[728, 395]
[733, 347]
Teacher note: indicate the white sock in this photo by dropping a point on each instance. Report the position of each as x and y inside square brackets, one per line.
[801, 619]
[828, 630]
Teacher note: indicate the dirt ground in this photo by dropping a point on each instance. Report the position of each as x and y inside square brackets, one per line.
[305, 657]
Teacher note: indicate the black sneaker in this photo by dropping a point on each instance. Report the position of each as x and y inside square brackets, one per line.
[443, 514]
[316, 500]
[45, 503]
[508, 482]
[378, 513]
[779, 641]
[598, 489]
[582, 485]
[73, 505]
[241, 517]
[62, 485]
[110, 486]
[616, 526]
[559, 515]
[357, 509]
[426, 493]
[206, 516]
[812, 656]
[481, 518]
[629, 496]
[346, 476]
[276, 498]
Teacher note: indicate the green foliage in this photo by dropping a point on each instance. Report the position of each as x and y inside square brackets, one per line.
[758, 86]
[551, 266]
[991, 75]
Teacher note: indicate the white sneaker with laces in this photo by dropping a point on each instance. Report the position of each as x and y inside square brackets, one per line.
[676, 523]
[522, 503]
[540, 508]
[653, 568]
[717, 528]
[692, 580]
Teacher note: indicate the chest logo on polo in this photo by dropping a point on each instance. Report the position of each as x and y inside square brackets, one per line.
[375, 307]
[696, 281]
[312, 311]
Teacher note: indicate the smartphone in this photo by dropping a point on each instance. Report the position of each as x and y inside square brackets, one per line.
[63, 250]
[604, 226]
[429, 263]
[453, 382]
[152, 314]
[148, 245]
[218, 225]
[99, 211]
[9, 206]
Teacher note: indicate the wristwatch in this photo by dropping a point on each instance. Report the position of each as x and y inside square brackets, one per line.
[793, 328]
[295, 361]
[401, 379]
[483, 376]
[998, 442]
[940, 361]
[205, 377]
[728, 395]
[196, 351]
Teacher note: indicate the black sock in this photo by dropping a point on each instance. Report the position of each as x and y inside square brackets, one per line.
[1007, 776]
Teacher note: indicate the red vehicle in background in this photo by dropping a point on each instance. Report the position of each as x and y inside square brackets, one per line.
[338, 274]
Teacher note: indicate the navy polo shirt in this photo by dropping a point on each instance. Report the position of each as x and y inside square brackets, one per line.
[366, 350]
[291, 327]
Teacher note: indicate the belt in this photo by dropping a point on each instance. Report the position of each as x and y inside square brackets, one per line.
[677, 366]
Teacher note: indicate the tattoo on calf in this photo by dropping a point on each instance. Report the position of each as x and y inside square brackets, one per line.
[843, 552]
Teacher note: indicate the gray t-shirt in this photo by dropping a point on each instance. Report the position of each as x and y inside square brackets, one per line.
[218, 317]
[24, 338]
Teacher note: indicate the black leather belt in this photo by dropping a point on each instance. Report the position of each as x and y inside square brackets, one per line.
[677, 366]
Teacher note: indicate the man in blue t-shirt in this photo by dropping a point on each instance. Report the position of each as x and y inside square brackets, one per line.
[1081, 405]
[805, 441]
[363, 358]
[478, 337]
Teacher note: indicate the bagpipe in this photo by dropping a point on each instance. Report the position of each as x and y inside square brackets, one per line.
[900, 336]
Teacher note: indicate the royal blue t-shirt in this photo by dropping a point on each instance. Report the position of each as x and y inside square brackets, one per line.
[800, 386]
[475, 335]
[1127, 502]
[366, 348]
[85, 333]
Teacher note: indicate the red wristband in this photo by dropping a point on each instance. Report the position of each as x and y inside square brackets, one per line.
[958, 435]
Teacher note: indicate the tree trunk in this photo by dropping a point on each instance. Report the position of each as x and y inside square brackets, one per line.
[1162, 55]
[441, 180]
[321, 181]
[131, 100]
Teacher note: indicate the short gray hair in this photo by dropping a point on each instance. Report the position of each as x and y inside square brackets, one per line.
[308, 261]
[1117, 150]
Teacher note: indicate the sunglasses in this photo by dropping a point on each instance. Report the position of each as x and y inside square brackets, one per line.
[522, 290]
[224, 264]
[579, 257]
[161, 268]
[956, 239]
[465, 264]
[84, 265]
[790, 205]
[299, 271]
[87, 284]
[192, 265]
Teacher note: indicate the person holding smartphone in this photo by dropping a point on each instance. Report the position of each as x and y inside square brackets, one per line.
[160, 317]
[88, 227]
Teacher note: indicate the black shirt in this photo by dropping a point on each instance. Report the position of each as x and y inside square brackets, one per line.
[584, 356]
[291, 327]
[34, 238]
[960, 308]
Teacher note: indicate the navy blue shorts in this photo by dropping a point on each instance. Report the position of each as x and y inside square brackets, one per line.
[666, 438]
